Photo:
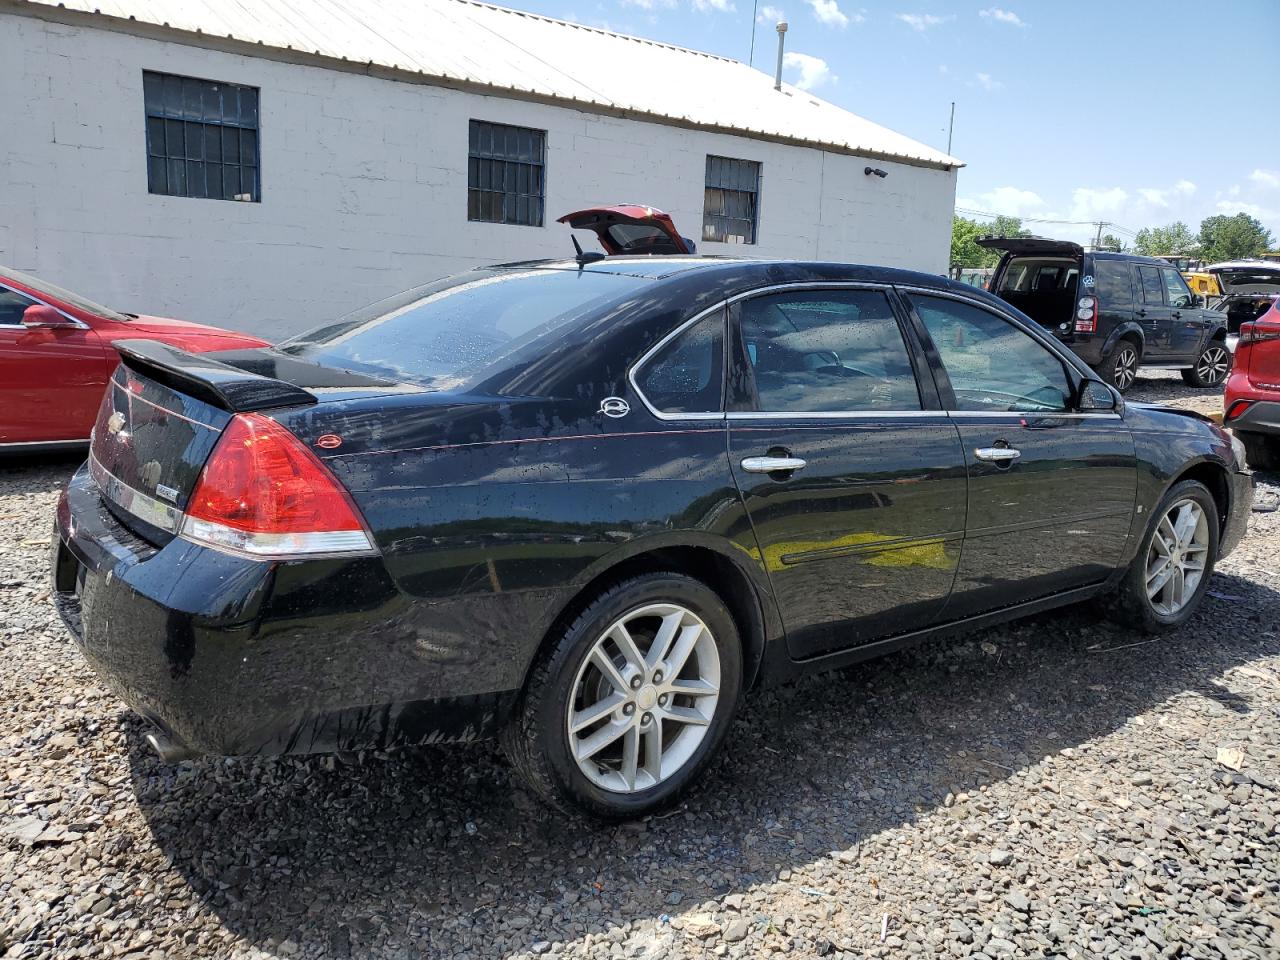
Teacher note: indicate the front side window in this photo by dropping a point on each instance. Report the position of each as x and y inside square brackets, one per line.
[1176, 292]
[1152, 286]
[202, 138]
[686, 375]
[731, 200]
[1112, 283]
[505, 174]
[822, 351]
[12, 306]
[993, 366]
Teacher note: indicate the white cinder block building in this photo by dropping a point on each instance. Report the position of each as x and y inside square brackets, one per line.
[271, 165]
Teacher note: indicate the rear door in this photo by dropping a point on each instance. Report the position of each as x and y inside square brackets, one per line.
[1153, 313]
[1051, 489]
[51, 380]
[851, 474]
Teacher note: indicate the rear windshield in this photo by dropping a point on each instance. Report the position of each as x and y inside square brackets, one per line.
[1249, 278]
[1039, 275]
[446, 333]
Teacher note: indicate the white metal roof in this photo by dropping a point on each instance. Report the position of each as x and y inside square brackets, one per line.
[475, 43]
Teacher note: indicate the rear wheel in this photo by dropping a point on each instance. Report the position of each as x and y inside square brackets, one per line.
[1167, 580]
[1121, 368]
[1261, 451]
[1211, 367]
[622, 715]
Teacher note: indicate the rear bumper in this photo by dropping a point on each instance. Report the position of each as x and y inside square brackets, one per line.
[1260, 416]
[241, 657]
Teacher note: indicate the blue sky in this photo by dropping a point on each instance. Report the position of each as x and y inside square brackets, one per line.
[1140, 113]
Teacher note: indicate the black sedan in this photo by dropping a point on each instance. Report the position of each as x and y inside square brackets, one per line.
[586, 507]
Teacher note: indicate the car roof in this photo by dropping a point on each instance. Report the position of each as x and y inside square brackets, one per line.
[1130, 258]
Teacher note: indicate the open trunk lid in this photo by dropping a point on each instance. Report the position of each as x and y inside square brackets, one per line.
[631, 229]
[1031, 246]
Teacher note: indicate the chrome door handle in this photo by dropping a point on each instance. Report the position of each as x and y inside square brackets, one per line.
[997, 454]
[772, 464]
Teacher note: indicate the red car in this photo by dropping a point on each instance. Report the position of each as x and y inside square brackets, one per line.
[56, 357]
[1252, 399]
[628, 229]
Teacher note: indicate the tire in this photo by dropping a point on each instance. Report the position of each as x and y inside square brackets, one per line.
[1260, 450]
[1211, 367]
[566, 682]
[1120, 369]
[1131, 604]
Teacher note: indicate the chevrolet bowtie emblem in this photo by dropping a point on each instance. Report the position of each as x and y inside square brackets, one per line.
[115, 423]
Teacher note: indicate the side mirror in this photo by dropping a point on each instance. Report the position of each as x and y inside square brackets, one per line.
[38, 316]
[1096, 397]
[1197, 300]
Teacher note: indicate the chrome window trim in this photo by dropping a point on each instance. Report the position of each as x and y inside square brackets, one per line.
[79, 324]
[739, 415]
[1037, 414]
[648, 355]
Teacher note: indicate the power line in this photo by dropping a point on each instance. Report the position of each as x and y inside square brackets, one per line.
[988, 213]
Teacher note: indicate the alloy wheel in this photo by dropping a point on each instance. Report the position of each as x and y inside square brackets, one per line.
[1212, 366]
[643, 698]
[1177, 556]
[1126, 368]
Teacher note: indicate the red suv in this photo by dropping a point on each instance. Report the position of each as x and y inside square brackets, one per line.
[1252, 399]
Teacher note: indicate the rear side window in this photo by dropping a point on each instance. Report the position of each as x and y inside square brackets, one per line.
[993, 366]
[827, 351]
[1152, 287]
[687, 374]
[1112, 283]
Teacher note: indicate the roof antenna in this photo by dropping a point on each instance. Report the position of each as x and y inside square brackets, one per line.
[582, 257]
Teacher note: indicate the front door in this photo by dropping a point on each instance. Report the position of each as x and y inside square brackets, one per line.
[1187, 326]
[852, 476]
[1051, 489]
[1155, 316]
[51, 380]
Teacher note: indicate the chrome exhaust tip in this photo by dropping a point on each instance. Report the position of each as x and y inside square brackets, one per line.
[170, 751]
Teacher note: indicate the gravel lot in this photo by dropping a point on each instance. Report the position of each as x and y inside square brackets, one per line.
[1059, 786]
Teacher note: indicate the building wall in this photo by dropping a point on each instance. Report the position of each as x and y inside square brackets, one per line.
[364, 186]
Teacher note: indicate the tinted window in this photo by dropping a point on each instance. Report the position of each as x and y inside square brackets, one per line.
[685, 376]
[1112, 284]
[445, 333]
[1176, 291]
[12, 306]
[827, 351]
[505, 168]
[1152, 287]
[993, 366]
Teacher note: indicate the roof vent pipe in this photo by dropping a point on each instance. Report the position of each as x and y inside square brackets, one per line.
[782, 39]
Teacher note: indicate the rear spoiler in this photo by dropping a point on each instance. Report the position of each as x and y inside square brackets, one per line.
[209, 380]
[1030, 245]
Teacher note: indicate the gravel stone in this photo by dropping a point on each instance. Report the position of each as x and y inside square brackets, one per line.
[1127, 788]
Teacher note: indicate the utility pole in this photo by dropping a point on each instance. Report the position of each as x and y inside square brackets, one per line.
[1097, 243]
[752, 55]
[951, 126]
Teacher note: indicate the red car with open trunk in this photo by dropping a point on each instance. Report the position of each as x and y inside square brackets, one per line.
[57, 355]
[1252, 398]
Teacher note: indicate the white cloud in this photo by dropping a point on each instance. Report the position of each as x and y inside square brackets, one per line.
[813, 71]
[1089, 203]
[1010, 201]
[1002, 16]
[649, 4]
[829, 12]
[921, 22]
[1163, 198]
[719, 6]
[1232, 207]
[985, 81]
[770, 14]
[1267, 179]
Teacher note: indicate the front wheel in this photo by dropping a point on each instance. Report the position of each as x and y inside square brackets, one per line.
[627, 708]
[1167, 580]
[1121, 368]
[1211, 367]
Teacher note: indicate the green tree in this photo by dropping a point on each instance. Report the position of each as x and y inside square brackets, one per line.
[1174, 238]
[1233, 238]
[1111, 242]
[965, 252]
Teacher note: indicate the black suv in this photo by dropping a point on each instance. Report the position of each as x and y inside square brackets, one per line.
[1115, 310]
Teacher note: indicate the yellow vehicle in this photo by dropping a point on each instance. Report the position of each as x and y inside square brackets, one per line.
[1205, 284]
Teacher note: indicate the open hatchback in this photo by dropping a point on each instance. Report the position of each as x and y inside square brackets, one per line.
[631, 228]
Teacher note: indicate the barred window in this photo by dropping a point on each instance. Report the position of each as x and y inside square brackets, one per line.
[202, 138]
[731, 200]
[505, 174]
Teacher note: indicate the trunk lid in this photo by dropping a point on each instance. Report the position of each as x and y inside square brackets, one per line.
[1031, 245]
[631, 229]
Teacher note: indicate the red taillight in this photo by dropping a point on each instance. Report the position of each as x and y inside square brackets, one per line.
[1087, 315]
[1258, 333]
[1237, 408]
[263, 493]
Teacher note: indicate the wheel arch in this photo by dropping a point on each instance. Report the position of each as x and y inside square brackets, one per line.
[1215, 477]
[1126, 331]
[749, 602]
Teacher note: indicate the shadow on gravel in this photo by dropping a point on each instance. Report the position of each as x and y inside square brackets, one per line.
[435, 850]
